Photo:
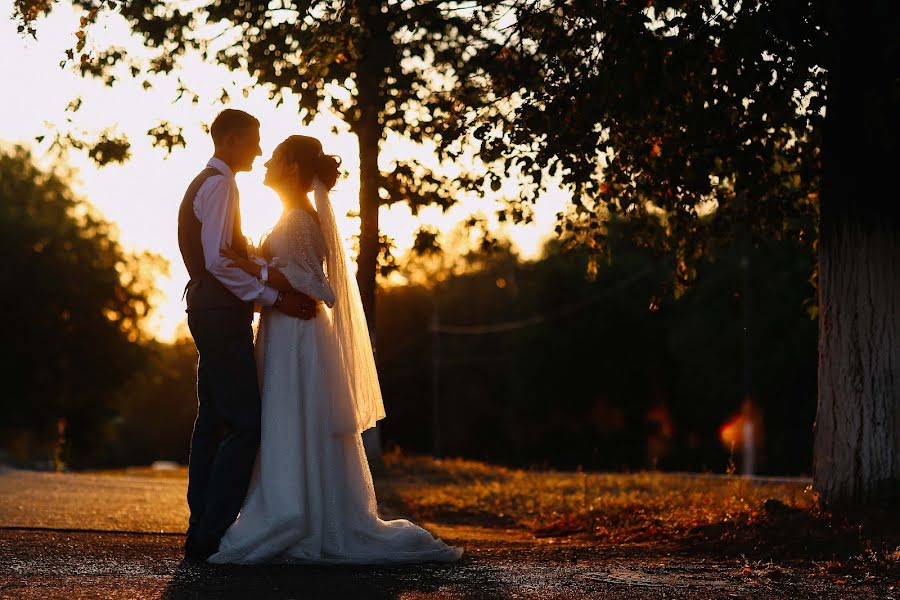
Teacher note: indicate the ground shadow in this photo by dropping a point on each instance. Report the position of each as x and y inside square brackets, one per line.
[459, 580]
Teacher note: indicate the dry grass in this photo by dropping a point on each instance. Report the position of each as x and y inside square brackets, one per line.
[718, 516]
[615, 507]
[722, 516]
[177, 472]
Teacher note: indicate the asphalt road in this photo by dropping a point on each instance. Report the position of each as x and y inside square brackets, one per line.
[117, 536]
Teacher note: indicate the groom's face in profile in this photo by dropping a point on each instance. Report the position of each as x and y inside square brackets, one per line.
[245, 148]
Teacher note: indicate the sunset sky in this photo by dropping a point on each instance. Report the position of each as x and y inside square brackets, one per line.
[142, 196]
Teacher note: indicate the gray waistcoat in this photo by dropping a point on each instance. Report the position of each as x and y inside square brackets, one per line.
[204, 291]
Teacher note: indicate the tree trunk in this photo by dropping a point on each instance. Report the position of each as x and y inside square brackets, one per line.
[369, 200]
[857, 434]
[857, 443]
[374, 48]
[367, 261]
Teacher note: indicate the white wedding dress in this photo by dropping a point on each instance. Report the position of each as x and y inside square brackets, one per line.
[311, 498]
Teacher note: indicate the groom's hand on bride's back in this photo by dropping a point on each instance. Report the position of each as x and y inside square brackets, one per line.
[298, 305]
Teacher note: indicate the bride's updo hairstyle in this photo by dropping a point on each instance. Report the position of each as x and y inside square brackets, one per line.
[306, 152]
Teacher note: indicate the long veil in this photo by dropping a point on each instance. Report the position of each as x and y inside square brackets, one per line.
[357, 402]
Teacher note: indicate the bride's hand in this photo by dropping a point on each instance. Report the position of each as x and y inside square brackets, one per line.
[239, 262]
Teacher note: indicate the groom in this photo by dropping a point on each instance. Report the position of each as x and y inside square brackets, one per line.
[220, 303]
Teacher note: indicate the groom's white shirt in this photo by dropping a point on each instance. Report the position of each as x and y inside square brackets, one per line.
[215, 206]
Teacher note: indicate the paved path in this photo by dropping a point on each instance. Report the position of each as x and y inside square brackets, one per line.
[118, 536]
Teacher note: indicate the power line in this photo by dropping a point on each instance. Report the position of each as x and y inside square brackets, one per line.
[536, 319]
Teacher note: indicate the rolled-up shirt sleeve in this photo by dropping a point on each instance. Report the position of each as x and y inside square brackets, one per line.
[215, 207]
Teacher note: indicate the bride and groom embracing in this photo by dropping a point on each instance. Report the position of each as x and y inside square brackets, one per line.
[277, 468]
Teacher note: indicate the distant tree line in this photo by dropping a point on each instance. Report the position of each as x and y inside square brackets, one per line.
[563, 370]
[536, 362]
[539, 364]
[74, 301]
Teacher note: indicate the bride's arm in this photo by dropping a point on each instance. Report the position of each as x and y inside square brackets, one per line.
[303, 265]
[278, 281]
[276, 278]
[301, 270]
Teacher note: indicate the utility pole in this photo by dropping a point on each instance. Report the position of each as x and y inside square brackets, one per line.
[435, 376]
[749, 434]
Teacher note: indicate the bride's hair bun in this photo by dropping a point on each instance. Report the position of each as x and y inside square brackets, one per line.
[328, 169]
[307, 153]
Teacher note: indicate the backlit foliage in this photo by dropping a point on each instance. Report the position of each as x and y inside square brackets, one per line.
[697, 119]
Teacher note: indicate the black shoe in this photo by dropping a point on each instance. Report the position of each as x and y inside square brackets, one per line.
[196, 550]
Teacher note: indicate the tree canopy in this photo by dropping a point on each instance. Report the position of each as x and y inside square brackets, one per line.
[382, 66]
[664, 111]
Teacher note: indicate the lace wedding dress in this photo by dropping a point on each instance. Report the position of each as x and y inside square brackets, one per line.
[311, 498]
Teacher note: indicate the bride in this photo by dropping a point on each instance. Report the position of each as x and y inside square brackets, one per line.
[311, 498]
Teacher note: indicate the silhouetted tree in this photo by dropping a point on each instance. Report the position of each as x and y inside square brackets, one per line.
[73, 305]
[705, 122]
[406, 67]
[157, 407]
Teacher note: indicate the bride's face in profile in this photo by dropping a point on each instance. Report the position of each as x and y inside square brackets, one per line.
[276, 171]
[283, 175]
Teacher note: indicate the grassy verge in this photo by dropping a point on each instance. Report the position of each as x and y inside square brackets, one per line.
[759, 521]
[642, 514]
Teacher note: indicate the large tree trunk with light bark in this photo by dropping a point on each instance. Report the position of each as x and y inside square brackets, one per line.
[857, 443]
[857, 437]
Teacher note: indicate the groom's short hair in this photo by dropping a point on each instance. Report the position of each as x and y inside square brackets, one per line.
[231, 121]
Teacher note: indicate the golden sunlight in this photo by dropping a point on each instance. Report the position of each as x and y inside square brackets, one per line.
[141, 196]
